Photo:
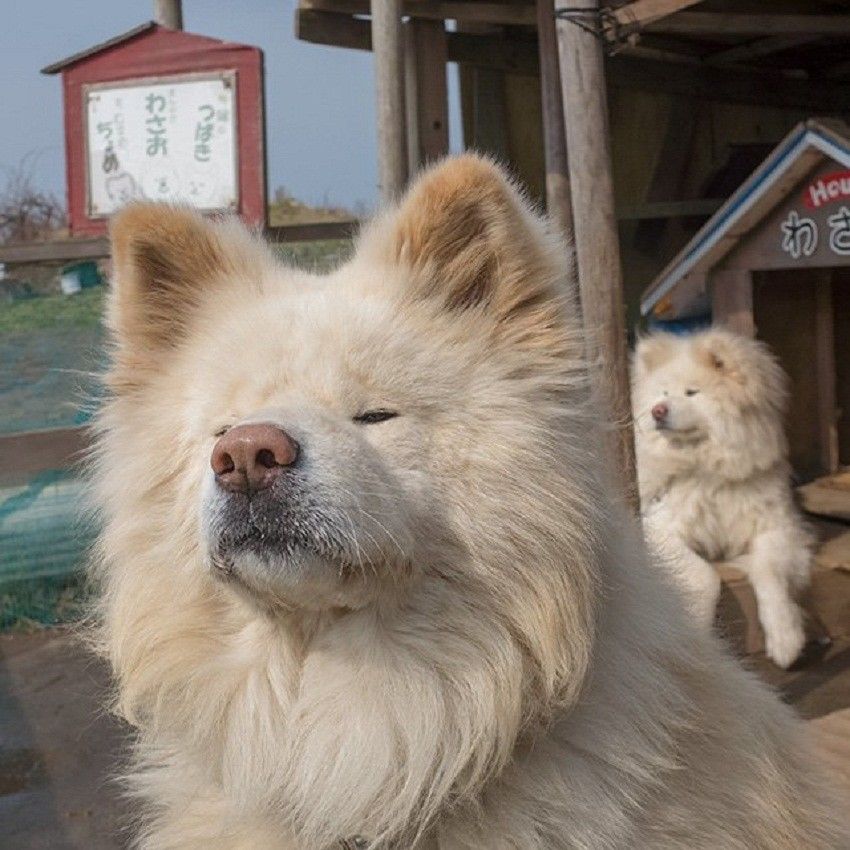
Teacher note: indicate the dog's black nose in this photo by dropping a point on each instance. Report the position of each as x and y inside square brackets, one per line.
[660, 411]
[250, 457]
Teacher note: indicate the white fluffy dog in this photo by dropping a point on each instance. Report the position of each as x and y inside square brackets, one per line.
[362, 580]
[714, 475]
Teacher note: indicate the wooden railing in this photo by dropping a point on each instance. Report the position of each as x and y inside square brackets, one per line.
[68, 250]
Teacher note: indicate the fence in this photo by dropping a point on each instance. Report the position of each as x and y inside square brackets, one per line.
[51, 354]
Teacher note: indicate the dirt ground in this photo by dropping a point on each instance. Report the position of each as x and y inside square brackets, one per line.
[58, 749]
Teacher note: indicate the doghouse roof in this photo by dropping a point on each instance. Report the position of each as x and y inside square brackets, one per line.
[803, 149]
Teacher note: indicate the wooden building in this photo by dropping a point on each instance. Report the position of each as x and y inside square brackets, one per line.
[644, 146]
[774, 262]
[698, 93]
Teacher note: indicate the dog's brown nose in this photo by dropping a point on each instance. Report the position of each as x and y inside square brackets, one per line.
[660, 411]
[249, 457]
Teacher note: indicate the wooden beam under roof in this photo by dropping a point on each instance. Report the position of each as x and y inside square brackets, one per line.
[693, 80]
[755, 25]
[515, 14]
[759, 48]
[640, 13]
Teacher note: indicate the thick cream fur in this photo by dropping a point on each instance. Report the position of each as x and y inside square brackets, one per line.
[715, 485]
[505, 669]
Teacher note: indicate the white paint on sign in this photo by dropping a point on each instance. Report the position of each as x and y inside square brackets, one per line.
[799, 235]
[164, 140]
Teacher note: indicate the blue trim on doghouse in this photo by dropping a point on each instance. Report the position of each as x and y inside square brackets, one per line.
[779, 160]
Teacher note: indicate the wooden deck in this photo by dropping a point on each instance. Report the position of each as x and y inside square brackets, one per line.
[832, 735]
[828, 496]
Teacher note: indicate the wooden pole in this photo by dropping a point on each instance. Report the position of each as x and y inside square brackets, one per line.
[595, 225]
[558, 202]
[426, 92]
[388, 46]
[168, 13]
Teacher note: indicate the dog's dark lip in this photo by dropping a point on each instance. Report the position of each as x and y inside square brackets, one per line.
[270, 548]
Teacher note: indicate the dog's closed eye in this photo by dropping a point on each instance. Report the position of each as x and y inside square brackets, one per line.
[691, 392]
[371, 417]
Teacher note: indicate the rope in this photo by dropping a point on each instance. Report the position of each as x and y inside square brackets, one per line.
[601, 23]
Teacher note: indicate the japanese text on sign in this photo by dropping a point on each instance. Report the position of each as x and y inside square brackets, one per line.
[165, 141]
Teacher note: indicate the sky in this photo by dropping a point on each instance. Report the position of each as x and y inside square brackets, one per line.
[320, 112]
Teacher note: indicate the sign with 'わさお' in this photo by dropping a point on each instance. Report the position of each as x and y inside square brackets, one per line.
[162, 139]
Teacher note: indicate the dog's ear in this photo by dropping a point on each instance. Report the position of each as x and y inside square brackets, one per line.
[652, 351]
[469, 238]
[164, 260]
[716, 350]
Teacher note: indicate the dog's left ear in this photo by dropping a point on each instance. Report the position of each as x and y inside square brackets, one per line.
[469, 238]
[166, 260]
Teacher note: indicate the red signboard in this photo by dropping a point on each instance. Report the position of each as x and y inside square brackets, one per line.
[161, 59]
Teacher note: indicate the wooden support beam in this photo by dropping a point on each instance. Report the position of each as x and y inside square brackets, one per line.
[759, 48]
[558, 201]
[489, 123]
[506, 14]
[650, 17]
[755, 25]
[68, 250]
[732, 300]
[695, 81]
[596, 239]
[388, 47]
[639, 13]
[730, 85]
[827, 414]
[694, 208]
[168, 13]
[671, 169]
[426, 96]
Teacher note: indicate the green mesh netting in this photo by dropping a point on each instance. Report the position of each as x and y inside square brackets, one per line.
[51, 350]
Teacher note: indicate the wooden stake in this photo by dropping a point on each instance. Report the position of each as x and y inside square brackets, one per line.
[558, 203]
[426, 92]
[595, 225]
[388, 47]
[168, 13]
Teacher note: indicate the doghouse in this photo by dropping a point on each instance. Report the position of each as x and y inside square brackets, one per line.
[774, 262]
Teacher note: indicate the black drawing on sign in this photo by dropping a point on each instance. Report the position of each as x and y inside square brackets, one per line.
[122, 188]
[800, 236]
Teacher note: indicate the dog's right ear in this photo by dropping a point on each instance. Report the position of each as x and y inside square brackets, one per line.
[165, 259]
[654, 350]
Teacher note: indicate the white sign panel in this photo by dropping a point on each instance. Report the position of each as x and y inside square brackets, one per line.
[164, 140]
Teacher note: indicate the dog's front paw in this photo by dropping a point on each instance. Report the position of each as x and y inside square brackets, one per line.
[784, 639]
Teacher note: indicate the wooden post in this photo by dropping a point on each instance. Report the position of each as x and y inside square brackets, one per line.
[732, 300]
[558, 202]
[388, 47]
[595, 225]
[426, 92]
[168, 13]
[825, 373]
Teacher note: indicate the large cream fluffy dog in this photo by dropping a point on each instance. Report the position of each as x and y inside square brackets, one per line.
[363, 583]
[714, 475]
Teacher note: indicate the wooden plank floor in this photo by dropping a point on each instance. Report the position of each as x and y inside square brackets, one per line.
[832, 737]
